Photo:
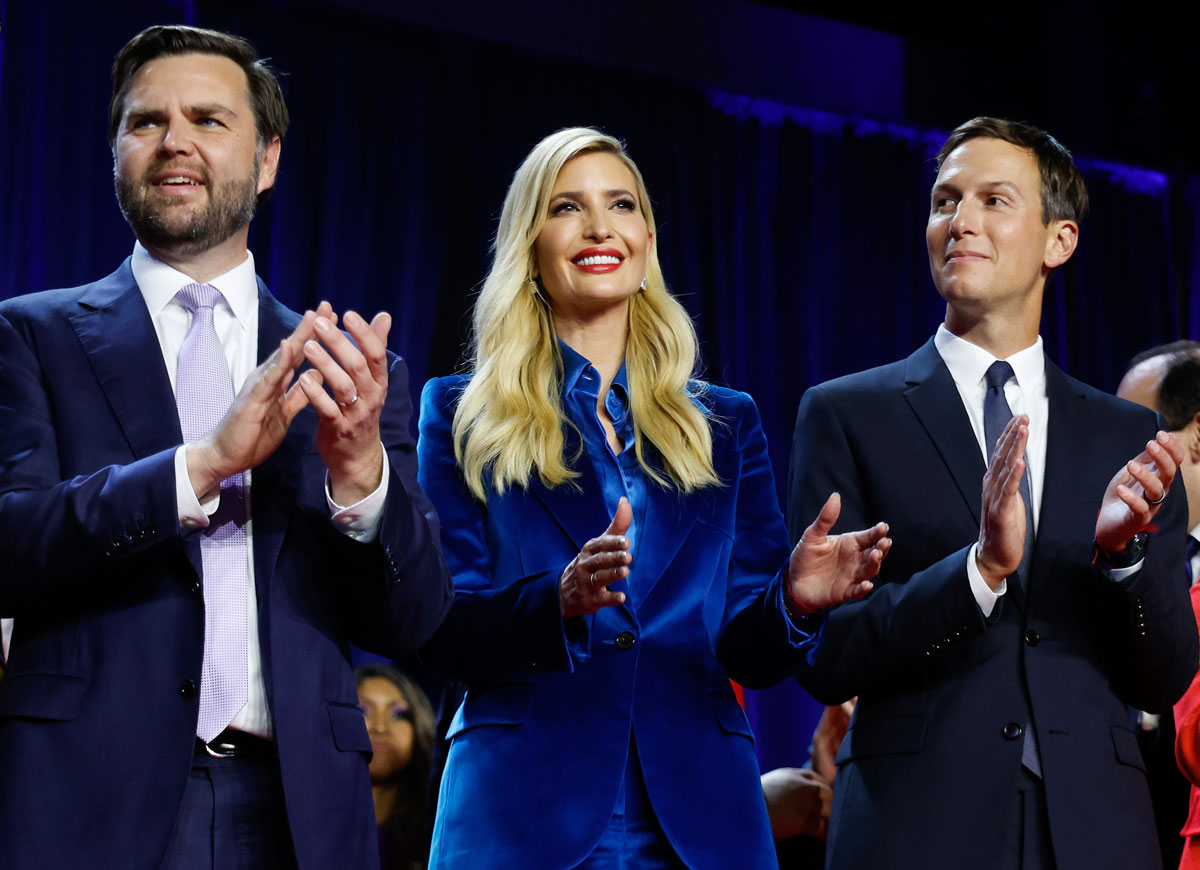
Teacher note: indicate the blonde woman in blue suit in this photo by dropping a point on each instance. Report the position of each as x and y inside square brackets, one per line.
[617, 548]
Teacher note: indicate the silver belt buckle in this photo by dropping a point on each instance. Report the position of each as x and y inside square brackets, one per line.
[215, 753]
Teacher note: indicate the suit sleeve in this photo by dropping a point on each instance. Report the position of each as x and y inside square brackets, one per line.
[880, 638]
[62, 535]
[493, 626]
[1148, 618]
[759, 645]
[402, 587]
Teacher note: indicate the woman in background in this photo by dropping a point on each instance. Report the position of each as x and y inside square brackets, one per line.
[599, 729]
[401, 726]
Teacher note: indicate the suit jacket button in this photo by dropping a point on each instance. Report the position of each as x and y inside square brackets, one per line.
[1012, 731]
[187, 689]
[1032, 637]
[625, 640]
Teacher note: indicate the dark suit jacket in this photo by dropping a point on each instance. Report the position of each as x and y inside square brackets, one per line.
[98, 705]
[539, 745]
[929, 769]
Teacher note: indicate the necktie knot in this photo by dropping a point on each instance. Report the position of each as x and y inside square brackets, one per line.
[193, 297]
[997, 375]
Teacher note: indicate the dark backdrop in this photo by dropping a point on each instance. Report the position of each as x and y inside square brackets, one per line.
[794, 236]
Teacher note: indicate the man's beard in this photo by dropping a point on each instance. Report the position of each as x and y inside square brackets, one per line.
[230, 207]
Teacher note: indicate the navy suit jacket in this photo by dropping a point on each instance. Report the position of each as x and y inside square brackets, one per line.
[98, 704]
[929, 770]
[539, 745]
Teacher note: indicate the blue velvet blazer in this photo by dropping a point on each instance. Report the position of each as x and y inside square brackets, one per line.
[539, 745]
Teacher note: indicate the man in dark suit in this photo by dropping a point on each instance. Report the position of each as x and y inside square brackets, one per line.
[993, 668]
[186, 566]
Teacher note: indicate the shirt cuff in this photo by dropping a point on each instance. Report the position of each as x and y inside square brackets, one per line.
[193, 514]
[1118, 574]
[360, 520]
[985, 596]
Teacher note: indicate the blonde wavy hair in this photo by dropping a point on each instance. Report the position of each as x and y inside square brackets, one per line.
[509, 421]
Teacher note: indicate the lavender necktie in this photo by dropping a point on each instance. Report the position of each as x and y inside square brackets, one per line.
[203, 393]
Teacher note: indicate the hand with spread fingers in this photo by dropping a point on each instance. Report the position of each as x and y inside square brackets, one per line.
[258, 419]
[1002, 512]
[1137, 491]
[347, 387]
[583, 588]
[826, 569]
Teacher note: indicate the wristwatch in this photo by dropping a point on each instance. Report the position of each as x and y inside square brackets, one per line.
[1133, 552]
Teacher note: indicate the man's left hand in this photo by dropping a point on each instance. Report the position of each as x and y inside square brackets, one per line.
[1136, 492]
[826, 569]
[357, 381]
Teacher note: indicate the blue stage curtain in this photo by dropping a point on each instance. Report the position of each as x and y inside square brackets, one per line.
[795, 238]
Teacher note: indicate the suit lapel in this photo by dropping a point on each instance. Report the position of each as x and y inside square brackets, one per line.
[281, 469]
[578, 509]
[935, 400]
[670, 515]
[1068, 427]
[113, 319]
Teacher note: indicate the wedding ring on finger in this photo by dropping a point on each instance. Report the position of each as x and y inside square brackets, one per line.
[348, 404]
[1156, 501]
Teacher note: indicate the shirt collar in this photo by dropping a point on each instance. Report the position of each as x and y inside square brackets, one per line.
[579, 373]
[159, 283]
[969, 362]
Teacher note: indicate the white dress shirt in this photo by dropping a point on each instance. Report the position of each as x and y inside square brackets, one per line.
[236, 323]
[1025, 393]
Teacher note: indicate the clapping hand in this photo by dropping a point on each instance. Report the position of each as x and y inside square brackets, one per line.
[826, 569]
[583, 588]
[1136, 492]
[347, 386]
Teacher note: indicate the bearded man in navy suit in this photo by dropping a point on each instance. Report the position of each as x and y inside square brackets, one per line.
[993, 668]
[160, 708]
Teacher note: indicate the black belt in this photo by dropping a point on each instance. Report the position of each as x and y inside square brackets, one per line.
[237, 744]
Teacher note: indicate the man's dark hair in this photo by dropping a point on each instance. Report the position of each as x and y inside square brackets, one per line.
[1170, 349]
[1064, 195]
[1179, 392]
[266, 97]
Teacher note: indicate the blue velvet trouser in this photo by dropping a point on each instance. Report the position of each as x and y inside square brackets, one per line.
[634, 840]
